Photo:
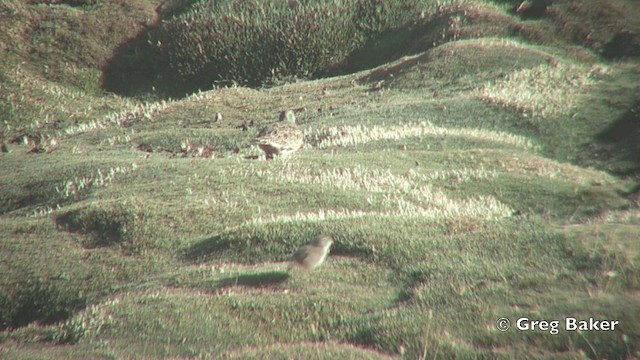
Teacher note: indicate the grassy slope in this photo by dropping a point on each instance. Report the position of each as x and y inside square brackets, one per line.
[472, 185]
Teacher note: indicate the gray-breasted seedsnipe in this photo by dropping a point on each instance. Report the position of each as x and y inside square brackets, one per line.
[311, 256]
[283, 139]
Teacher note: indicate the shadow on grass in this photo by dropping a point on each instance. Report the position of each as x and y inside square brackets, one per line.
[389, 46]
[623, 44]
[38, 299]
[388, 74]
[139, 68]
[620, 143]
[261, 280]
[104, 228]
[206, 249]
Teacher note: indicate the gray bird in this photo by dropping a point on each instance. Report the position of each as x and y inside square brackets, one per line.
[283, 139]
[311, 256]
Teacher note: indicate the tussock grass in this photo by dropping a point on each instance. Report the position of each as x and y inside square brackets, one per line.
[250, 42]
[90, 322]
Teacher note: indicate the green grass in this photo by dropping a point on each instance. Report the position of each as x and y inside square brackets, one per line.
[489, 173]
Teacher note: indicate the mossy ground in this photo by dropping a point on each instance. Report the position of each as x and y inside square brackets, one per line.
[492, 175]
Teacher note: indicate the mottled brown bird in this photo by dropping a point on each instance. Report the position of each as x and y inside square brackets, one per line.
[283, 139]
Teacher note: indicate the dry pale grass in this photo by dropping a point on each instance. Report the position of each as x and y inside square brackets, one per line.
[100, 178]
[544, 91]
[373, 180]
[408, 196]
[480, 208]
[55, 103]
[551, 169]
[145, 111]
[630, 216]
[308, 349]
[340, 136]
